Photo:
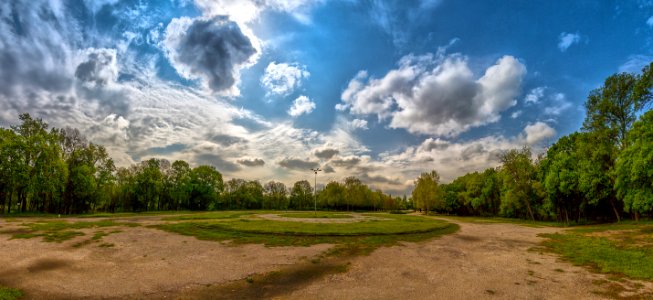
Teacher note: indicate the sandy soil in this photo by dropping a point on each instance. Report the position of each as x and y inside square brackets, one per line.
[481, 261]
[143, 263]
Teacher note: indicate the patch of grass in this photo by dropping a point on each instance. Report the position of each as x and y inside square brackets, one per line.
[59, 231]
[106, 245]
[620, 249]
[351, 239]
[214, 215]
[504, 221]
[10, 293]
[321, 215]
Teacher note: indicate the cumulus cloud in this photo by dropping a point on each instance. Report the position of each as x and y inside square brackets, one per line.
[213, 50]
[251, 162]
[298, 164]
[358, 124]
[534, 96]
[346, 162]
[301, 105]
[99, 67]
[566, 40]
[436, 95]
[537, 133]
[326, 153]
[282, 79]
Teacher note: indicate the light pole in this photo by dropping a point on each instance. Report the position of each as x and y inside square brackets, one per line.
[315, 190]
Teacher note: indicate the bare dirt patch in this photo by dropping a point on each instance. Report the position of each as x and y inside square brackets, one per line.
[142, 263]
[480, 261]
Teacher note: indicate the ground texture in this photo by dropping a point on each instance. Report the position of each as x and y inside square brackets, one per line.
[480, 261]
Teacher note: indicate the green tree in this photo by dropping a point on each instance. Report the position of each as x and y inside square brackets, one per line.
[276, 195]
[301, 195]
[634, 168]
[206, 184]
[427, 194]
[519, 177]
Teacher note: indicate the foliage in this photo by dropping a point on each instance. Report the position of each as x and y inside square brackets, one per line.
[427, 193]
[634, 169]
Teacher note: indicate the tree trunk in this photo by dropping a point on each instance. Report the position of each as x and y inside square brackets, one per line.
[614, 208]
[530, 211]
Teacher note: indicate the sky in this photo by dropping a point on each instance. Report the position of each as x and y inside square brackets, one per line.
[267, 89]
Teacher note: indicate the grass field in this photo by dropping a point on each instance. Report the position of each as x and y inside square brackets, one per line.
[324, 215]
[619, 249]
[359, 237]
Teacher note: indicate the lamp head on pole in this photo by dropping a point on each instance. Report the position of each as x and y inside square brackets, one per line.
[316, 170]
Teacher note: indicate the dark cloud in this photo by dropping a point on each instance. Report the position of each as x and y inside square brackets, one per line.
[329, 169]
[226, 140]
[472, 151]
[251, 162]
[99, 67]
[326, 153]
[346, 162]
[216, 161]
[297, 164]
[210, 48]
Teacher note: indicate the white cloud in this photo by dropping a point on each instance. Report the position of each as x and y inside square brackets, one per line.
[282, 79]
[538, 132]
[534, 96]
[516, 114]
[436, 95]
[301, 105]
[566, 40]
[649, 21]
[358, 124]
[558, 103]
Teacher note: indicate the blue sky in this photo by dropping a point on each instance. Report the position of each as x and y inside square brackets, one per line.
[381, 90]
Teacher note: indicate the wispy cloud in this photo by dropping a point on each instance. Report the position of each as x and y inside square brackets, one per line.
[566, 40]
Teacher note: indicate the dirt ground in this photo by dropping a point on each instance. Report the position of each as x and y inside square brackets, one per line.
[143, 263]
[480, 261]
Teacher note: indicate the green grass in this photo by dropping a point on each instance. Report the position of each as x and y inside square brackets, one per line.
[59, 231]
[360, 237]
[214, 215]
[481, 220]
[320, 215]
[9, 293]
[620, 249]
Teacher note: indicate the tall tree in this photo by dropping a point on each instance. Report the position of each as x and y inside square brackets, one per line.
[634, 168]
[427, 192]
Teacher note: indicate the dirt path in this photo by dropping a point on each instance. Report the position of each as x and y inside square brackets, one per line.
[142, 263]
[481, 261]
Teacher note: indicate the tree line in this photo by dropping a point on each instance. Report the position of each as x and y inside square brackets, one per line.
[602, 172]
[58, 171]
